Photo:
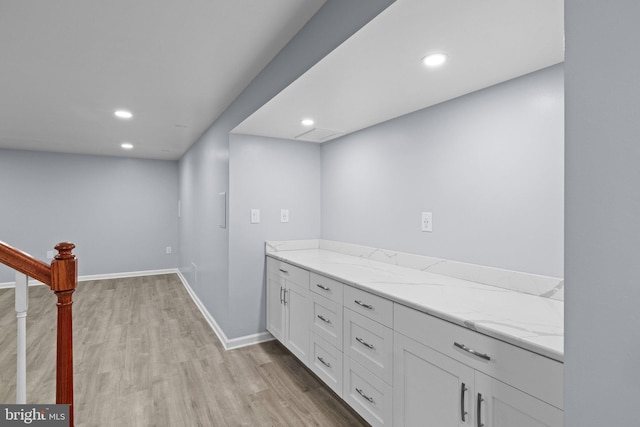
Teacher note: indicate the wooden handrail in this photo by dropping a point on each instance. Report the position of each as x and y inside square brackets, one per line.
[62, 277]
[25, 263]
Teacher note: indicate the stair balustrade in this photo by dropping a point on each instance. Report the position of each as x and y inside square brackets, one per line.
[62, 277]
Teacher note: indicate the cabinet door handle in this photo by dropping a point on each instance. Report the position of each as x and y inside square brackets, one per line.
[281, 298]
[283, 271]
[361, 304]
[463, 413]
[324, 288]
[479, 410]
[285, 297]
[472, 351]
[364, 343]
[327, 364]
[361, 393]
[324, 319]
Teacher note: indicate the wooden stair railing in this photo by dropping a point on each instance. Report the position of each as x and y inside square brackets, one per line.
[62, 277]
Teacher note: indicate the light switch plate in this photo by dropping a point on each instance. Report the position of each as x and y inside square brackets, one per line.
[255, 216]
[427, 221]
[284, 215]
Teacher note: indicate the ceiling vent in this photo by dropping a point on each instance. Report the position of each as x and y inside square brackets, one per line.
[319, 135]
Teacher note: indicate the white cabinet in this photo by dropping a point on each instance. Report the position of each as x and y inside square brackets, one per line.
[326, 320]
[368, 355]
[434, 390]
[367, 394]
[288, 306]
[500, 405]
[446, 376]
[326, 287]
[398, 366]
[524, 370]
[326, 358]
[430, 389]
[369, 305]
[369, 343]
[275, 309]
[296, 306]
[326, 362]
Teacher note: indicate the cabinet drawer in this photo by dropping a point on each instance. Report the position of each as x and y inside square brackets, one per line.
[532, 373]
[369, 305]
[327, 320]
[370, 344]
[326, 363]
[286, 272]
[367, 394]
[326, 287]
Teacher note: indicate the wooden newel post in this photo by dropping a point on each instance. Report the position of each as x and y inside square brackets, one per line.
[64, 278]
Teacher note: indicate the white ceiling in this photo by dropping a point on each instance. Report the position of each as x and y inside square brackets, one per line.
[66, 66]
[377, 74]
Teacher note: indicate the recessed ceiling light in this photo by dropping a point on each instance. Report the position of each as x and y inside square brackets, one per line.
[307, 122]
[126, 145]
[123, 114]
[434, 59]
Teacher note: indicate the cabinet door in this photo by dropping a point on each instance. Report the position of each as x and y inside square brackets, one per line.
[275, 308]
[429, 388]
[500, 405]
[297, 306]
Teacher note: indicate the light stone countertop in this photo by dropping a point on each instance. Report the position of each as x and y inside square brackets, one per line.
[527, 321]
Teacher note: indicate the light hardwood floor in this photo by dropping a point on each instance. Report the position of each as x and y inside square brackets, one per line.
[145, 356]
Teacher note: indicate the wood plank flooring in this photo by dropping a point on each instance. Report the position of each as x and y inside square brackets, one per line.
[145, 356]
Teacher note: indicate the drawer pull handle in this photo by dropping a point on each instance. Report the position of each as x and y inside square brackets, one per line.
[361, 304]
[324, 319]
[479, 411]
[283, 271]
[472, 351]
[324, 288]
[364, 343]
[327, 364]
[463, 413]
[361, 393]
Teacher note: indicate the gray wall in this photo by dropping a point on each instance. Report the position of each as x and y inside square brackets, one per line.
[121, 213]
[267, 174]
[489, 166]
[602, 362]
[204, 169]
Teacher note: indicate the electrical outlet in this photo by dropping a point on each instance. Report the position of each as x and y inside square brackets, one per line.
[255, 216]
[284, 215]
[168, 250]
[427, 221]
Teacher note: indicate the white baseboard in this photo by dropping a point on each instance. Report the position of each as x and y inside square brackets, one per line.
[11, 285]
[127, 274]
[228, 344]
[33, 282]
[248, 340]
